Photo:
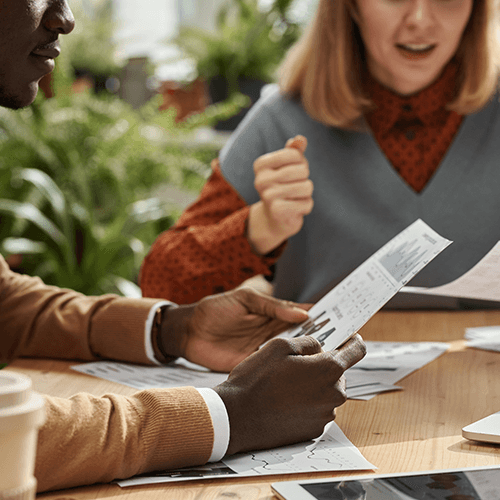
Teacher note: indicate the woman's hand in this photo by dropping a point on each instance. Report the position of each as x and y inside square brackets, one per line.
[282, 181]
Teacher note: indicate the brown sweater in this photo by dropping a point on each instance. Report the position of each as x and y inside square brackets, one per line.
[88, 439]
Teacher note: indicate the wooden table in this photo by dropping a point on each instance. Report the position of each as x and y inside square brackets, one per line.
[418, 428]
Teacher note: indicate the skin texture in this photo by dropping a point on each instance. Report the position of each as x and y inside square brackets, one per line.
[287, 392]
[221, 330]
[386, 24]
[282, 181]
[29, 32]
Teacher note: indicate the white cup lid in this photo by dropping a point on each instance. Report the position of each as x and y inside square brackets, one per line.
[20, 407]
[15, 388]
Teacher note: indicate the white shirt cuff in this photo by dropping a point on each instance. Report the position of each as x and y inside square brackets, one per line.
[148, 341]
[220, 422]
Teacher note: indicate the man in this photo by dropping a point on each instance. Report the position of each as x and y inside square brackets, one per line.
[284, 393]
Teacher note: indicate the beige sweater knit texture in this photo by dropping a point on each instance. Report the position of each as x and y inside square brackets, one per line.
[88, 439]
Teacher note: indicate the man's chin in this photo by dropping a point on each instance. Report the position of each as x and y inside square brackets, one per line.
[18, 100]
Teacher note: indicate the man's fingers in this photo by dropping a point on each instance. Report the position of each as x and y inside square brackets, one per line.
[351, 352]
[301, 346]
[265, 305]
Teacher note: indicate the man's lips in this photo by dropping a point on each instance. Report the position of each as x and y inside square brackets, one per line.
[50, 51]
[43, 57]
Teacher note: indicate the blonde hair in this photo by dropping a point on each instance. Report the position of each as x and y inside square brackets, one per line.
[325, 68]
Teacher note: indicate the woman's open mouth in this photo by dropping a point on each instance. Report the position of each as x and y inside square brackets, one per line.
[415, 50]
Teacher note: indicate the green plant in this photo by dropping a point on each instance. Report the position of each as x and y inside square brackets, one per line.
[76, 174]
[248, 42]
[91, 46]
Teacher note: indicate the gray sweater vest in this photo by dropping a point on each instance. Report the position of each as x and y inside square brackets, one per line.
[361, 201]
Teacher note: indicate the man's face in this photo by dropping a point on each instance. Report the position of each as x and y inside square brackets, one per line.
[29, 30]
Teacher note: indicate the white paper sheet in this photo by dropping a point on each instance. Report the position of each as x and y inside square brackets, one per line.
[332, 451]
[482, 282]
[485, 337]
[180, 373]
[386, 363]
[348, 306]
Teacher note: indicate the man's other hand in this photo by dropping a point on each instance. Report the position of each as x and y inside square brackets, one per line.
[286, 392]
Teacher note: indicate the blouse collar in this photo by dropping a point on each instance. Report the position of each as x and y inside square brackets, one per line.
[427, 105]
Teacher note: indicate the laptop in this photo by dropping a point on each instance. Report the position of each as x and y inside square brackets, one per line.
[487, 429]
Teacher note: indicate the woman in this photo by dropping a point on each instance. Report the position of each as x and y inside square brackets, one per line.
[397, 100]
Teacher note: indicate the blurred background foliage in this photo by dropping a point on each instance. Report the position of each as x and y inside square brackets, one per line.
[76, 173]
[250, 41]
[79, 170]
[91, 46]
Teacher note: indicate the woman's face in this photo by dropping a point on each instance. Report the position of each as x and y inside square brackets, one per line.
[409, 42]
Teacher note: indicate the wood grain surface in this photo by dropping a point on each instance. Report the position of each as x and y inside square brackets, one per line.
[418, 428]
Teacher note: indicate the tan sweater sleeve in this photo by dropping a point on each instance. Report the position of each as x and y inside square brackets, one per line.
[88, 439]
[46, 321]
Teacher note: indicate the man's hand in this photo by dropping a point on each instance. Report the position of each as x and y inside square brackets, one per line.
[282, 181]
[286, 392]
[221, 330]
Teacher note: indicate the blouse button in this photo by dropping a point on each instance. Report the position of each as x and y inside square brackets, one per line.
[410, 135]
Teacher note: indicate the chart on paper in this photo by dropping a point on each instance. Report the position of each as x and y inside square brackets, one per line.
[348, 306]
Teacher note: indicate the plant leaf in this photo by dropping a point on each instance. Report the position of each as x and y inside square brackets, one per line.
[127, 288]
[46, 185]
[23, 246]
[31, 213]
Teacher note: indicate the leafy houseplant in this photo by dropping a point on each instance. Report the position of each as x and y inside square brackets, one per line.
[246, 48]
[91, 48]
[76, 173]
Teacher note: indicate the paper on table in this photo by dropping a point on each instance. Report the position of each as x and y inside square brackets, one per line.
[180, 373]
[482, 282]
[484, 337]
[386, 363]
[348, 306]
[332, 451]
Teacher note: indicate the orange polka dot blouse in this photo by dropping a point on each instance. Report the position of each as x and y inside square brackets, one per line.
[207, 250]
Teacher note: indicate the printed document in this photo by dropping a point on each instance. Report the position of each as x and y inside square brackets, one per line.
[332, 451]
[348, 306]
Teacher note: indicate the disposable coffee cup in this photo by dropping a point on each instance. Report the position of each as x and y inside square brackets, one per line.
[22, 412]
